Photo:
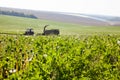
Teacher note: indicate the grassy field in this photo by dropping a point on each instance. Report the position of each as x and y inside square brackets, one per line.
[81, 57]
[20, 24]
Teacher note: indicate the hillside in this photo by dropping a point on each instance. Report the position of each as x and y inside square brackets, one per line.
[12, 24]
[69, 17]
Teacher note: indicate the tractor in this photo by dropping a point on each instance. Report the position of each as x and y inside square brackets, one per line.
[29, 32]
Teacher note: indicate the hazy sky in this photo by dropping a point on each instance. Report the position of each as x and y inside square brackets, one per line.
[104, 7]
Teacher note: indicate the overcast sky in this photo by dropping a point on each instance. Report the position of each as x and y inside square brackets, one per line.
[104, 7]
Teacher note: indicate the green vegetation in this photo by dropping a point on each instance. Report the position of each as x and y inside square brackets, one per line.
[60, 57]
[93, 54]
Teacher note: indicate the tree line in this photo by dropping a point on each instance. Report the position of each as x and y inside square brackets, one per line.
[13, 13]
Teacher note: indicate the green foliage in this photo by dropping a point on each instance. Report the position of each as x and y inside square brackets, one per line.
[60, 57]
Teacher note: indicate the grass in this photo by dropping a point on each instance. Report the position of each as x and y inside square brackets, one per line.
[20, 24]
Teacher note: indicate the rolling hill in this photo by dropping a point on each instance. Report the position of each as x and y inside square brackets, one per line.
[75, 18]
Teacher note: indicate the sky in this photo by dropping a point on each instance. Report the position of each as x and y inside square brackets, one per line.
[101, 7]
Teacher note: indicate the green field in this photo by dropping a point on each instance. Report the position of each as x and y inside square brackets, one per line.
[79, 53]
[60, 58]
[19, 25]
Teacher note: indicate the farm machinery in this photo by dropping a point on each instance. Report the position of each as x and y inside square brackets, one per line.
[29, 32]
